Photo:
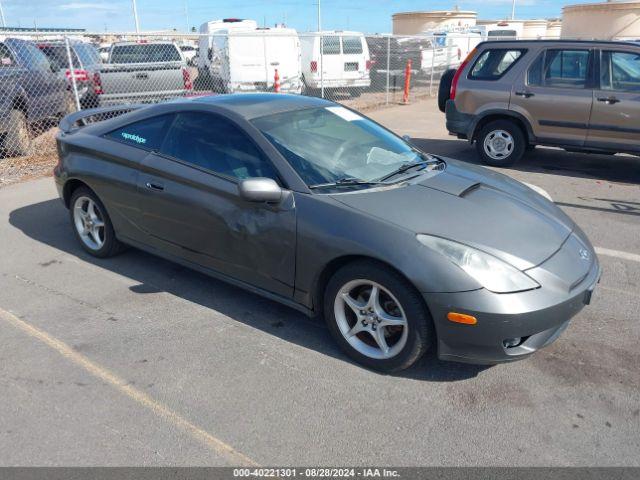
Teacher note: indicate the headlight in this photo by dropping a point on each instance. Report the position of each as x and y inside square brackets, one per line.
[489, 271]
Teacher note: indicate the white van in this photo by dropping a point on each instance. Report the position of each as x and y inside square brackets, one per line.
[449, 49]
[237, 56]
[345, 61]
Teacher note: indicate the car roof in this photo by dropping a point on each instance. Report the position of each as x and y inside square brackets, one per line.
[558, 41]
[254, 105]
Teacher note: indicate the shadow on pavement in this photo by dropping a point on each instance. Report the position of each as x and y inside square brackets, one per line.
[612, 168]
[48, 222]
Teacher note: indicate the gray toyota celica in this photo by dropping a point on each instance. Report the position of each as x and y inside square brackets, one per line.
[316, 206]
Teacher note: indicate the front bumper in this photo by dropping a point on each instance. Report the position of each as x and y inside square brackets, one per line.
[537, 316]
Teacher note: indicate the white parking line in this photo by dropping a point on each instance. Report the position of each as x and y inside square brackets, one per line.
[216, 445]
[617, 254]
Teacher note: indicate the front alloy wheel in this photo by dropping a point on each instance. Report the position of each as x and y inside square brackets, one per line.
[371, 319]
[376, 316]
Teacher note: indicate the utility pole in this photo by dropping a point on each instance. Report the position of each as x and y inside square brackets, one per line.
[513, 10]
[135, 15]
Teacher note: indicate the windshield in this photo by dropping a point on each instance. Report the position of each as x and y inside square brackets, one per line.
[330, 144]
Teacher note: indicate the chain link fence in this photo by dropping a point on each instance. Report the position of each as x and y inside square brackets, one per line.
[44, 76]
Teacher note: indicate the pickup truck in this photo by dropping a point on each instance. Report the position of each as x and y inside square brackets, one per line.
[142, 72]
[30, 93]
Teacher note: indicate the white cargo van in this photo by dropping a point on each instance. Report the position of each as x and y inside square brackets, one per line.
[237, 56]
[449, 49]
[345, 61]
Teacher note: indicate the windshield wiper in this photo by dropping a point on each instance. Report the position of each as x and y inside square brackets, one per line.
[405, 167]
[345, 182]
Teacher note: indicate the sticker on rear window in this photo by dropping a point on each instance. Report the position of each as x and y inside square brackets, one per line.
[133, 138]
[345, 114]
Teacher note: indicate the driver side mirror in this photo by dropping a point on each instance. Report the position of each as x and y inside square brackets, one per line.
[260, 190]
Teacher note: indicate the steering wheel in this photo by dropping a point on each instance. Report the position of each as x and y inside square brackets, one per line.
[344, 146]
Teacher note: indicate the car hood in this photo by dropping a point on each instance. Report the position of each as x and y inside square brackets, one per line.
[474, 206]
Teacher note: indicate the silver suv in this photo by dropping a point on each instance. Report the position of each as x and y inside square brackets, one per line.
[509, 96]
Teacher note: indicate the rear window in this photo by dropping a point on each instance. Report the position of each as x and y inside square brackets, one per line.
[145, 53]
[492, 64]
[351, 45]
[331, 45]
[57, 55]
[87, 53]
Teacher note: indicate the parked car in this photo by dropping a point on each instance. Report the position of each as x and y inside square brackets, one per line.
[345, 62]
[190, 52]
[389, 55]
[449, 50]
[238, 56]
[86, 63]
[509, 96]
[144, 72]
[30, 93]
[316, 206]
[103, 51]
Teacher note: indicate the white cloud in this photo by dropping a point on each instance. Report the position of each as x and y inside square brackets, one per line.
[86, 6]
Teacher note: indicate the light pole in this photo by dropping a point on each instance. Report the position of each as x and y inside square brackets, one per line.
[135, 15]
[186, 14]
[2, 16]
[321, 51]
[513, 10]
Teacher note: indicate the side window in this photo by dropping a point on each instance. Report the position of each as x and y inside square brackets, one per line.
[212, 142]
[351, 45]
[566, 68]
[146, 134]
[331, 45]
[494, 63]
[620, 71]
[534, 74]
[6, 59]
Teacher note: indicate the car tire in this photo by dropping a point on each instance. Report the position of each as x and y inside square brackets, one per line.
[17, 140]
[355, 92]
[409, 332]
[501, 143]
[92, 225]
[444, 90]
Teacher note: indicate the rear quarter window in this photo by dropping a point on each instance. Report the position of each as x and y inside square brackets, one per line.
[146, 134]
[493, 63]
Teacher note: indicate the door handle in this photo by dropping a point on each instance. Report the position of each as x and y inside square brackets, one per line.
[608, 100]
[154, 186]
[525, 94]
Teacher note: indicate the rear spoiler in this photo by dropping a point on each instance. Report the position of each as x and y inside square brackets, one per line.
[84, 117]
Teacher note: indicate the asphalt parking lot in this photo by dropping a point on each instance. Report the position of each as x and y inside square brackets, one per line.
[137, 361]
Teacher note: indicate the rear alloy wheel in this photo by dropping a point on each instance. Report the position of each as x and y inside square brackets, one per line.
[377, 317]
[501, 143]
[92, 224]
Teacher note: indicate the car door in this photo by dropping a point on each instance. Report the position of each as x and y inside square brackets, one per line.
[330, 61]
[615, 117]
[191, 207]
[555, 95]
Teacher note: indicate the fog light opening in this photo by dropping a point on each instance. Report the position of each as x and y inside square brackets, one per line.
[511, 342]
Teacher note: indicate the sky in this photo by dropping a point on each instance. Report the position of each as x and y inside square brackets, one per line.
[369, 16]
